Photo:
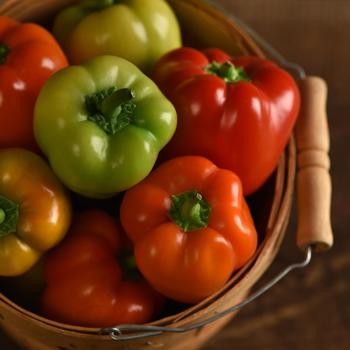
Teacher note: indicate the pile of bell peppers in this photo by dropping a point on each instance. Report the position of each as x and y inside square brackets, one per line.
[125, 160]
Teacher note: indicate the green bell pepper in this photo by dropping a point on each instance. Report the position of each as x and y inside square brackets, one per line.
[102, 125]
[140, 31]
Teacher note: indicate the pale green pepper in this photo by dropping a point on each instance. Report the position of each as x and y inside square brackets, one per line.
[102, 125]
[140, 31]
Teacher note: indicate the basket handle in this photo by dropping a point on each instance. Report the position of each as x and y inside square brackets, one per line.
[313, 178]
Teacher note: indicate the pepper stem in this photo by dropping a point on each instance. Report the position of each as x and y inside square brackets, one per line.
[128, 265]
[111, 109]
[96, 5]
[4, 51]
[189, 211]
[228, 72]
[2, 215]
[9, 216]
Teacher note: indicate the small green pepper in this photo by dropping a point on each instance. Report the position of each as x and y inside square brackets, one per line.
[140, 31]
[102, 125]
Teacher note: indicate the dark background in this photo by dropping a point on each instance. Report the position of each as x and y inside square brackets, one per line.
[310, 309]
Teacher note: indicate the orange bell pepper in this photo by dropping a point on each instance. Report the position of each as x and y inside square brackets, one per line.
[191, 227]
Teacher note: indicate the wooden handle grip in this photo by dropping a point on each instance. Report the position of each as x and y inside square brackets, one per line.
[313, 178]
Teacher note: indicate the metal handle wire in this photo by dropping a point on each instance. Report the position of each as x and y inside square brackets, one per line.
[120, 333]
[143, 331]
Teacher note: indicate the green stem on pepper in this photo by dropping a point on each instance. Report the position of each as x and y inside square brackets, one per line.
[9, 216]
[97, 5]
[228, 72]
[128, 265]
[111, 109]
[190, 211]
[2, 215]
[4, 51]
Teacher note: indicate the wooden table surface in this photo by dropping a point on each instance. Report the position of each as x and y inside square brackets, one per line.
[310, 309]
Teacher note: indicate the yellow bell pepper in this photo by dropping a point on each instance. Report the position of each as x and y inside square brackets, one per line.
[35, 211]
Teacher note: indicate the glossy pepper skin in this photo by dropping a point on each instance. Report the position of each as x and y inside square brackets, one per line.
[237, 112]
[85, 283]
[140, 31]
[34, 210]
[102, 125]
[191, 227]
[29, 55]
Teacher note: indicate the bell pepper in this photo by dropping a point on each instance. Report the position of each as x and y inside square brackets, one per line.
[140, 31]
[87, 286]
[28, 56]
[34, 210]
[102, 125]
[190, 226]
[237, 112]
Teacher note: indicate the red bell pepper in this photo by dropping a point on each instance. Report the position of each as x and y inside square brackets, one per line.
[239, 113]
[86, 286]
[29, 55]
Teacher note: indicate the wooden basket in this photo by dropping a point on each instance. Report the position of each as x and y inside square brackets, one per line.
[203, 26]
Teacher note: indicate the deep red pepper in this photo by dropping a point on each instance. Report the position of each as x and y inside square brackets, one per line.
[239, 113]
[88, 286]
